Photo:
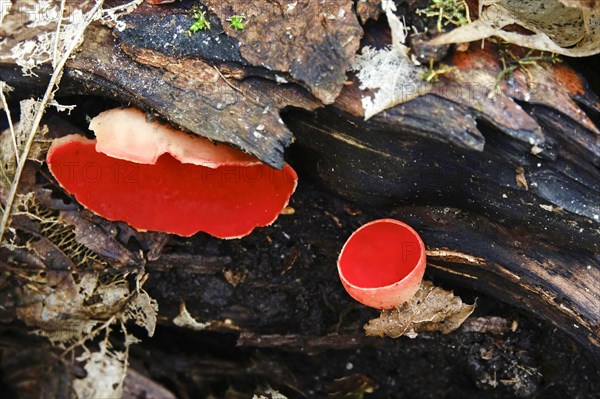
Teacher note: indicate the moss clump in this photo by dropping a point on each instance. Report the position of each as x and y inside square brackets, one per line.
[237, 22]
[200, 22]
[447, 12]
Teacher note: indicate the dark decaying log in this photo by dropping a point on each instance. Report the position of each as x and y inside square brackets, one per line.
[276, 297]
[504, 189]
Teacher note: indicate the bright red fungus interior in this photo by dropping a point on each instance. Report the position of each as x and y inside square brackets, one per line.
[227, 201]
[380, 254]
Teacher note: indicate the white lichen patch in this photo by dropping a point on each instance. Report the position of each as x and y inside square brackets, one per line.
[389, 71]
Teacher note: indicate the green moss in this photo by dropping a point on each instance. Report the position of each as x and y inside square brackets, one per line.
[512, 62]
[447, 12]
[237, 22]
[432, 74]
[200, 22]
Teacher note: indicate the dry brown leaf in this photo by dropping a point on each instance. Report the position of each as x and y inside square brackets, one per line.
[55, 303]
[431, 309]
[185, 320]
[143, 310]
[571, 28]
[67, 289]
[94, 237]
[105, 372]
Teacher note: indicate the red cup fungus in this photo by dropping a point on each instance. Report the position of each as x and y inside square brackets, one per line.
[382, 264]
[157, 178]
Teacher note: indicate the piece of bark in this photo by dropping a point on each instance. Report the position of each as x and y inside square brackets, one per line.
[464, 248]
[137, 386]
[313, 42]
[186, 69]
[489, 325]
[308, 344]
[469, 94]
[199, 95]
[395, 159]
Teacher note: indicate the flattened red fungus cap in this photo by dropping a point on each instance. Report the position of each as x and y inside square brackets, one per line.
[382, 263]
[171, 182]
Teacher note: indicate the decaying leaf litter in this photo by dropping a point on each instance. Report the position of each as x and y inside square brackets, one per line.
[567, 27]
[106, 362]
[431, 309]
[71, 296]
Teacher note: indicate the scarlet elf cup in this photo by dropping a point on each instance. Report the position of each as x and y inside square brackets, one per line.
[155, 177]
[382, 263]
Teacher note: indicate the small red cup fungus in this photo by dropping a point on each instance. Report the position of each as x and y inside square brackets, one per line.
[382, 264]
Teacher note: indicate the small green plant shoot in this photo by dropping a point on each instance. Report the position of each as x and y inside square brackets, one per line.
[447, 12]
[237, 22]
[200, 22]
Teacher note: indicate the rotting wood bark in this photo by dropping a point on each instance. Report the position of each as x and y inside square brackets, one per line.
[463, 152]
[504, 192]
